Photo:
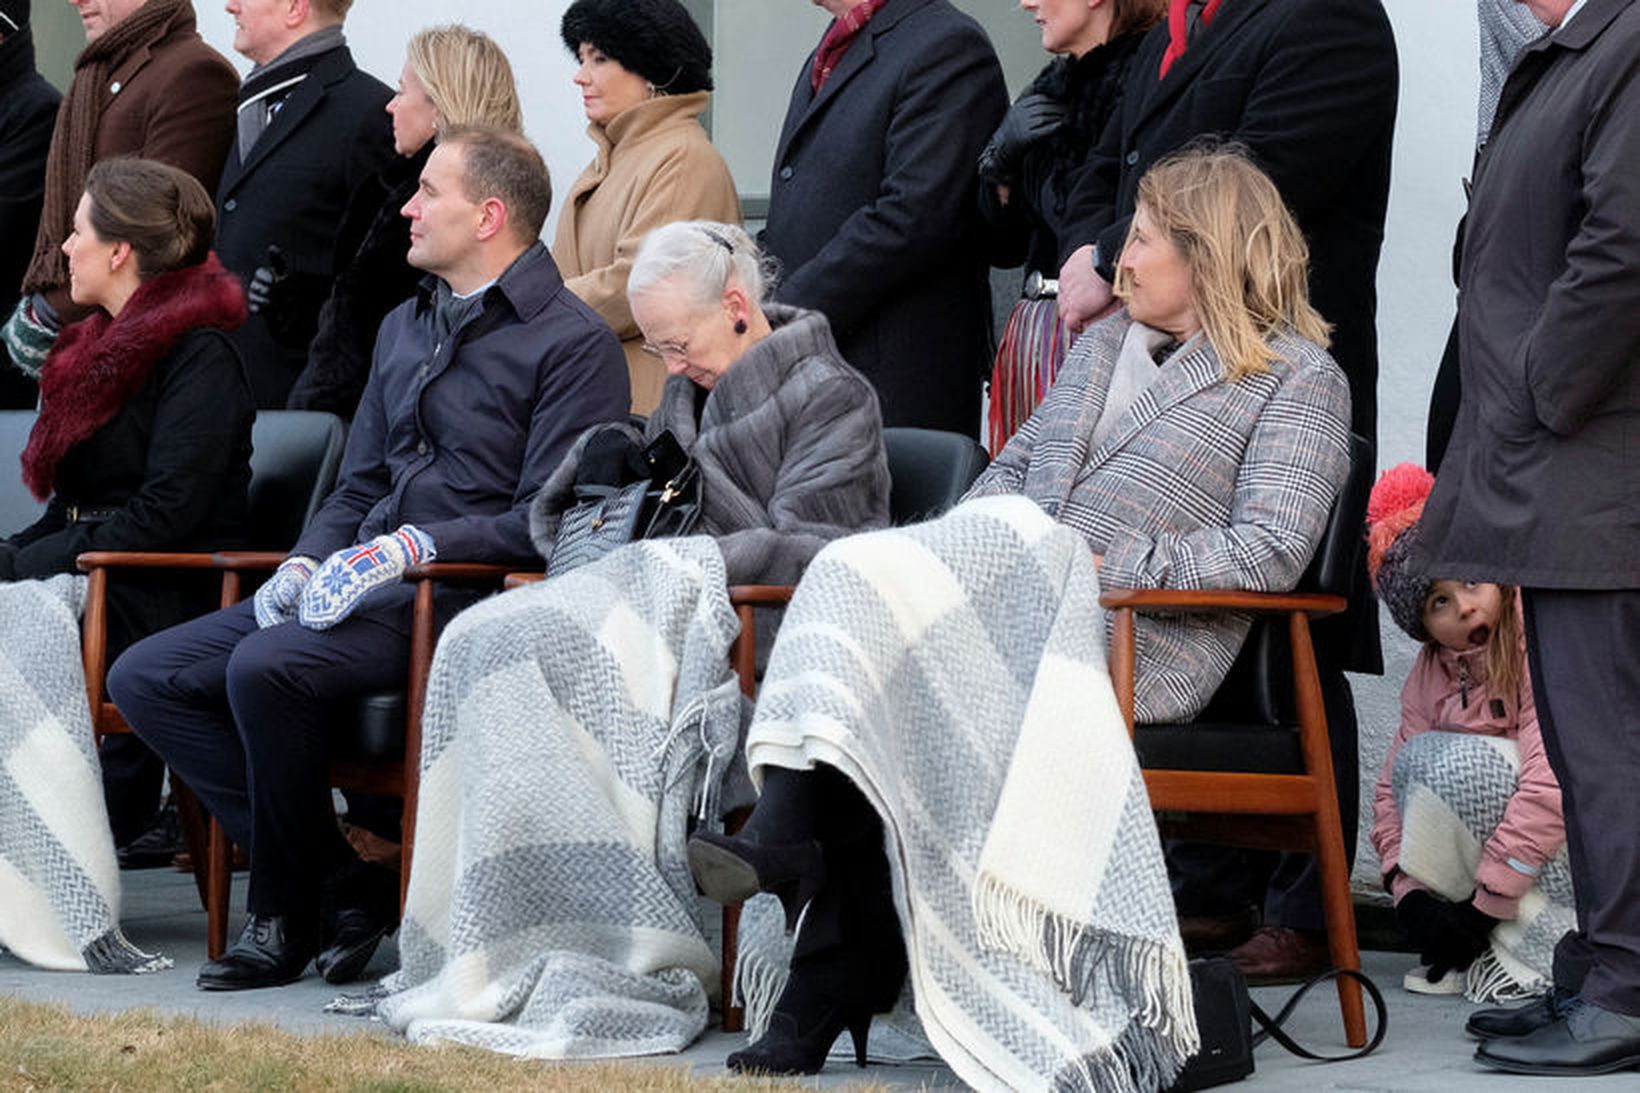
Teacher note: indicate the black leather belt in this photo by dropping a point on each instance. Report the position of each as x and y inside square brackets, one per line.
[81, 514]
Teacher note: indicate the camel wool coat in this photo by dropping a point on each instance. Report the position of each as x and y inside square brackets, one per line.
[655, 164]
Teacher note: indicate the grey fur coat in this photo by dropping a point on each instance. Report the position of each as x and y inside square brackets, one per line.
[1201, 484]
[790, 446]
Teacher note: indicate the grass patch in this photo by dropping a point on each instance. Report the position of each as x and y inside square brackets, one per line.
[49, 1047]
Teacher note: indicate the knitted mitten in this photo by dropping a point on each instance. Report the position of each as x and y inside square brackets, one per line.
[28, 337]
[348, 575]
[276, 599]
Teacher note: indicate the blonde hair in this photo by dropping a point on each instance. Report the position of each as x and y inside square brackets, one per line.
[1249, 264]
[468, 79]
[1505, 665]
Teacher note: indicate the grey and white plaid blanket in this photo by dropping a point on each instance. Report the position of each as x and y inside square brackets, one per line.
[955, 671]
[59, 881]
[571, 727]
[1451, 789]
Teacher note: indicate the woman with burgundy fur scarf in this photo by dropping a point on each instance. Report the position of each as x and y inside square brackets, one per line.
[143, 438]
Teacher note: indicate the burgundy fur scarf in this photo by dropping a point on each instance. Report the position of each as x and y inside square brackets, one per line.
[100, 362]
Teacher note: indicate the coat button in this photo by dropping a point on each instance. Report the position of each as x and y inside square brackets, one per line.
[1132, 158]
[230, 205]
[421, 447]
[114, 88]
[786, 173]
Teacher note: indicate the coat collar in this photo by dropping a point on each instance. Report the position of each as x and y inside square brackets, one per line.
[859, 56]
[527, 286]
[335, 66]
[1222, 30]
[1192, 369]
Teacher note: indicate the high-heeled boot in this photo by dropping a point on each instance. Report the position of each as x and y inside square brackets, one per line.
[849, 963]
[778, 850]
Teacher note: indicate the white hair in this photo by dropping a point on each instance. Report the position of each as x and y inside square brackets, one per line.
[705, 257]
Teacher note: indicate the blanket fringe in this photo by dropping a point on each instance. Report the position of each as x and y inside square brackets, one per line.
[113, 954]
[1489, 979]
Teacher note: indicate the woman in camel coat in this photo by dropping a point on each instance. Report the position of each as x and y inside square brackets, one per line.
[645, 76]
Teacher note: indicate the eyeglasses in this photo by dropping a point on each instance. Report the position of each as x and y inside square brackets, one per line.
[667, 351]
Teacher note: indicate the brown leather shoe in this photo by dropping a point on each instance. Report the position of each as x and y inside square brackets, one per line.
[1217, 933]
[1280, 954]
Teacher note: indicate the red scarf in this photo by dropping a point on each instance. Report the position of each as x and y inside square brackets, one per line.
[99, 363]
[1178, 29]
[839, 36]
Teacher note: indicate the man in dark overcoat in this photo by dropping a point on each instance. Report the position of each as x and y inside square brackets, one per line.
[312, 128]
[871, 208]
[1309, 87]
[28, 107]
[1540, 487]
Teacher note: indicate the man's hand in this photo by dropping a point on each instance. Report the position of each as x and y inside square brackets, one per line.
[1084, 296]
[348, 575]
[275, 601]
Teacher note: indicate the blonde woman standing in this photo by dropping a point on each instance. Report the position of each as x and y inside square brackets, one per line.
[645, 78]
[452, 76]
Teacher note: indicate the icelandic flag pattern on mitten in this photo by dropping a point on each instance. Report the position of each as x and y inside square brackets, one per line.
[348, 575]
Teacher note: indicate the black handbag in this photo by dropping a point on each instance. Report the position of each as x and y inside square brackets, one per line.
[1225, 1014]
[604, 516]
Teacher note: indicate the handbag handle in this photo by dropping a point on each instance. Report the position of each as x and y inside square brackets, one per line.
[1272, 1025]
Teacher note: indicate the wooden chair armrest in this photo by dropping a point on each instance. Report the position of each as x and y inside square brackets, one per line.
[460, 571]
[141, 559]
[519, 580]
[760, 595]
[1314, 604]
[251, 560]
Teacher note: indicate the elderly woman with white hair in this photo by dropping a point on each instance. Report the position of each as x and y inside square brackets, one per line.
[573, 725]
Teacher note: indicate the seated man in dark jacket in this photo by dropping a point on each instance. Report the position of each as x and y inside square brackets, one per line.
[479, 385]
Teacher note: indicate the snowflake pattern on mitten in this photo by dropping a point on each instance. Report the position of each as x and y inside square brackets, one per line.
[348, 575]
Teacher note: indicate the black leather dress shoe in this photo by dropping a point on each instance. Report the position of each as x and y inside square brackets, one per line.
[358, 932]
[1520, 1020]
[271, 951]
[360, 904]
[1587, 1040]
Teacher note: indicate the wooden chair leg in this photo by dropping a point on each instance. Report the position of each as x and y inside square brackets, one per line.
[1339, 915]
[193, 821]
[734, 1017]
[220, 870]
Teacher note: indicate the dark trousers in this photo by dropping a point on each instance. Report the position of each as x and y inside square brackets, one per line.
[1216, 880]
[132, 776]
[1584, 653]
[244, 716]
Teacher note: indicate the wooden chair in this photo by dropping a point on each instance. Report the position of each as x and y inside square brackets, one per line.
[1255, 769]
[294, 458]
[376, 741]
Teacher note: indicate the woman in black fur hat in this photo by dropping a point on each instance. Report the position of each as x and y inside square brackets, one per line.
[645, 74]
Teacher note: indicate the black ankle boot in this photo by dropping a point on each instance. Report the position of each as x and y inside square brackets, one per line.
[272, 950]
[822, 998]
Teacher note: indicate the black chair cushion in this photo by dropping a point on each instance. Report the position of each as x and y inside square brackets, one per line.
[1228, 747]
[295, 455]
[371, 726]
[928, 470]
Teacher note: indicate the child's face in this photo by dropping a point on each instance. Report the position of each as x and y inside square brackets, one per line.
[1462, 614]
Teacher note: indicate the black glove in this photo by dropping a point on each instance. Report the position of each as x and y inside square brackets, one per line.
[1032, 117]
[262, 292]
[1449, 936]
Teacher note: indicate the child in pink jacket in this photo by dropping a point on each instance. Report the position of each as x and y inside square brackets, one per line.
[1466, 818]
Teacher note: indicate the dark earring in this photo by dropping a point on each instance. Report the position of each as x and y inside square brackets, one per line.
[740, 326]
